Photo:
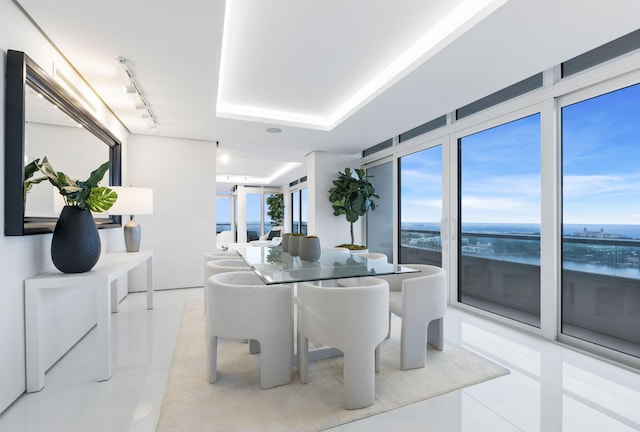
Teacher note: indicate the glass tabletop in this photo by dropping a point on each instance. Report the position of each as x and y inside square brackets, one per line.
[273, 266]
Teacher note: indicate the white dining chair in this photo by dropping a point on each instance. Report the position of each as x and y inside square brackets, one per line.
[374, 256]
[220, 254]
[420, 299]
[240, 306]
[222, 265]
[352, 319]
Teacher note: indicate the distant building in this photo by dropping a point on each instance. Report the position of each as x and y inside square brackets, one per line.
[597, 234]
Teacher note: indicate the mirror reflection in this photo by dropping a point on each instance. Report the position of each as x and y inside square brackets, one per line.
[42, 118]
[69, 146]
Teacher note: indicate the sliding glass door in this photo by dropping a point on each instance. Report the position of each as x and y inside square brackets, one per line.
[499, 237]
[420, 176]
[299, 211]
[379, 222]
[601, 220]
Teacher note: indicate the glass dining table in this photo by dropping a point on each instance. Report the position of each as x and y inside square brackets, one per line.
[273, 266]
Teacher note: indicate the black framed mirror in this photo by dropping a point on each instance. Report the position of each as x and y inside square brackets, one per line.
[27, 82]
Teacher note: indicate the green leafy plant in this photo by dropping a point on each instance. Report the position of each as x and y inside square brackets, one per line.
[275, 202]
[29, 170]
[84, 194]
[351, 196]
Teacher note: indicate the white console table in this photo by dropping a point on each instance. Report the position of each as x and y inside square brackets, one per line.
[109, 268]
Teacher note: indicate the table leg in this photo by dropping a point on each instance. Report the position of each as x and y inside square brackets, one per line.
[103, 327]
[114, 296]
[150, 283]
[303, 358]
[33, 332]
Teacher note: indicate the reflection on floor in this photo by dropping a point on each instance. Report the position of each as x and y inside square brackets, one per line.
[550, 388]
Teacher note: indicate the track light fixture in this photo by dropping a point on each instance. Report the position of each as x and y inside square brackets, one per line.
[133, 88]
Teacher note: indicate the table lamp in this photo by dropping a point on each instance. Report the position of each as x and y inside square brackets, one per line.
[132, 201]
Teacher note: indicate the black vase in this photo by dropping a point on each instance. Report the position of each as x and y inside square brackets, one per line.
[75, 247]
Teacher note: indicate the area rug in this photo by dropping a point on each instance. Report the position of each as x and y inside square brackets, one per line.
[237, 404]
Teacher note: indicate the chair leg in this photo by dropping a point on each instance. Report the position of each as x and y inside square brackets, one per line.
[212, 359]
[254, 346]
[275, 364]
[303, 358]
[359, 379]
[435, 333]
[413, 345]
[389, 331]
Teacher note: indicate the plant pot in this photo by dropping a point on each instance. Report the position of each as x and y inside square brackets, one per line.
[294, 242]
[285, 242]
[309, 248]
[75, 246]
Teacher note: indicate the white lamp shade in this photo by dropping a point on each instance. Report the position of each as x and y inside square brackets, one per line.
[132, 201]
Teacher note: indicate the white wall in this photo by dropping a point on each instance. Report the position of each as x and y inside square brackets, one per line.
[322, 168]
[23, 257]
[182, 227]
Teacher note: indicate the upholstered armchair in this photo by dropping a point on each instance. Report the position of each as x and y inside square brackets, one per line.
[420, 299]
[352, 319]
[274, 232]
[240, 306]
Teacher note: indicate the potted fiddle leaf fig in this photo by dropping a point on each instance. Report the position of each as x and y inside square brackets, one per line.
[352, 196]
[275, 203]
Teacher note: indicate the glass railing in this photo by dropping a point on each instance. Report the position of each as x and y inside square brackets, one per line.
[500, 273]
[613, 257]
[420, 247]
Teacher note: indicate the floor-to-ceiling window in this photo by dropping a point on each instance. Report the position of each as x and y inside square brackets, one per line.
[299, 208]
[265, 216]
[420, 200]
[254, 215]
[303, 211]
[295, 211]
[601, 218]
[569, 134]
[499, 238]
[379, 226]
[224, 204]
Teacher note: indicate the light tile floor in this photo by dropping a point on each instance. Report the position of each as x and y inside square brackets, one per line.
[550, 388]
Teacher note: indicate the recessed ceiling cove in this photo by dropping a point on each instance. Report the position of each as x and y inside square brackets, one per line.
[313, 64]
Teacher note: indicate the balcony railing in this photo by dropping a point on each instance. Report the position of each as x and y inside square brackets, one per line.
[501, 273]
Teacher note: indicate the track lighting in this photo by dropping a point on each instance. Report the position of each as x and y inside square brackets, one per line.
[133, 88]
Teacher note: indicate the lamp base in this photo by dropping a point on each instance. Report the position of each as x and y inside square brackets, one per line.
[132, 236]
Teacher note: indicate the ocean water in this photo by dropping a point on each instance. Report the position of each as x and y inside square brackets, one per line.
[624, 231]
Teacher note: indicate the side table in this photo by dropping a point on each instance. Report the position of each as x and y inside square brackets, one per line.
[109, 268]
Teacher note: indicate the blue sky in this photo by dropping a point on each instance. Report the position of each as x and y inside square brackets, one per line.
[223, 208]
[601, 159]
[500, 179]
[421, 186]
[501, 169]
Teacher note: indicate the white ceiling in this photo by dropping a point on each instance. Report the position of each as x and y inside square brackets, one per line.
[334, 76]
